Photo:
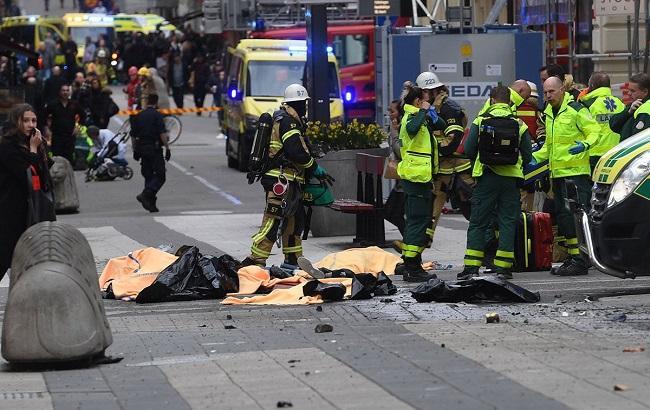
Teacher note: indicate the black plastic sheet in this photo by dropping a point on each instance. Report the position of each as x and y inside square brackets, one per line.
[482, 289]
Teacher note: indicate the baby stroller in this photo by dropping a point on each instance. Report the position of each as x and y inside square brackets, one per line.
[103, 168]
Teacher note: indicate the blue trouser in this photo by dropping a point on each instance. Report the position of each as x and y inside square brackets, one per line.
[153, 170]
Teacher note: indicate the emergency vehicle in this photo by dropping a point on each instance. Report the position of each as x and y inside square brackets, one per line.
[32, 30]
[615, 234]
[258, 71]
[78, 26]
[353, 45]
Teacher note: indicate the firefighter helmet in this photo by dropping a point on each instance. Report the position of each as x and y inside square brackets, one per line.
[428, 81]
[295, 92]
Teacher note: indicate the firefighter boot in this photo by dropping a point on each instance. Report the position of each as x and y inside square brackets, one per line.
[575, 268]
[412, 271]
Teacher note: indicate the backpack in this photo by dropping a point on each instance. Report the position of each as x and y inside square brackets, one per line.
[498, 142]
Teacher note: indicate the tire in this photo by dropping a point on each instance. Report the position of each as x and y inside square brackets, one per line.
[127, 173]
[232, 162]
[174, 127]
[242, 155]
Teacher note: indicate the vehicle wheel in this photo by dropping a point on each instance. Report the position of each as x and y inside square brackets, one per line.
[232, 162]
[127, 173]
[242, 156]
[174, 128]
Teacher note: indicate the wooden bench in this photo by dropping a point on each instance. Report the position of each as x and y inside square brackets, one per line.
[369, 205]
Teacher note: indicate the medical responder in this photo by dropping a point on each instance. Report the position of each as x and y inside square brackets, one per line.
[451, 164]
[570, 132]
[602, 105]
[149, 134]
[291, 162]
[419, 153]
[636, 116]
[498, 171]
[519, 92]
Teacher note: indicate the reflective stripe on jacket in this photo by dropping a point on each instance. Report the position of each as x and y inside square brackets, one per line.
[602, 105]
[419, 158]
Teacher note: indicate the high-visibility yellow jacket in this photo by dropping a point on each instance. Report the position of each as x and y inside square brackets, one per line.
[572, 123]
[602, 105]
[419, 156]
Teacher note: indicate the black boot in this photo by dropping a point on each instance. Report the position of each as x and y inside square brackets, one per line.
[467, 274]
[145, 199]
[412, 271]
[562, 267]
[153, 206]
[575, 268]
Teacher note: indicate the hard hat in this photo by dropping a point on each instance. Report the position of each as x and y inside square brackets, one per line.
[533, 89]
[428, 81]
[295, 92]
[101, 53]
[133, 70]
[144, 71]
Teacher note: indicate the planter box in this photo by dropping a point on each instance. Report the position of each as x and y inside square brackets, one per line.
[343, 167]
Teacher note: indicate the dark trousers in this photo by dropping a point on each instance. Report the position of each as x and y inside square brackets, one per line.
[177, 93]
[199, 98]
[565, 222]
[417, 212]
[153, 171]
[63, 150]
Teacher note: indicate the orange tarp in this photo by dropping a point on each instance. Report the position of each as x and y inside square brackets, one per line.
[361, 260]
[125, 277]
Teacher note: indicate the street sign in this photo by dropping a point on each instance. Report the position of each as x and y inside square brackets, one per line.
[616, 7]
[379, 7]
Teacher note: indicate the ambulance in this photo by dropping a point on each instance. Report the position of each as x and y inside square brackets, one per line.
[32, 30]
[257, 72]
[615, 233]
[78, 26]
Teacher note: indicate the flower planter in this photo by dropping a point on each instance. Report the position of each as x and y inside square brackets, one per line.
[343, 167]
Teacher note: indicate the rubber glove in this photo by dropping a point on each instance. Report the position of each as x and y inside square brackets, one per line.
[578, 148]
[319, 172]
[533, 162]
[433, 114]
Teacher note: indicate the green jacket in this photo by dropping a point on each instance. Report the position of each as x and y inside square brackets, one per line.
[572, 123]
[525, 149]
[515, 101]
[627, 124]
[602, 105]
[419, 150]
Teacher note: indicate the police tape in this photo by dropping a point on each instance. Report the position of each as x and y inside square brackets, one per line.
[174, 111]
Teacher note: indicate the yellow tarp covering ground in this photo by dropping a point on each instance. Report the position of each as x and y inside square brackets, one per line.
[125, 277]
[361, 260]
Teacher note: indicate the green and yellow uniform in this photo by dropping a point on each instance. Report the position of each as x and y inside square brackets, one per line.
[627, 124]
[602, 105]
[570, 123]
[497, 187]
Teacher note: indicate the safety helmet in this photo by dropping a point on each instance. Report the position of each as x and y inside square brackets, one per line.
[428, 81]
[133, 70]
[144, 71]
[101, 53]
[295, 92]
[533, 89]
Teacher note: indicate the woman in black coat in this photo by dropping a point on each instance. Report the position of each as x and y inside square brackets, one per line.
[22, 148]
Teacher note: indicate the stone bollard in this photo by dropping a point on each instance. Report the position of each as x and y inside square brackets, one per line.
[54, 311]
[66, 198]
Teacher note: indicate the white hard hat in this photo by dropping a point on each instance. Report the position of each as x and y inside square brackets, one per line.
[533, 89]
[295, 92]
[101, 53]
[428, 81]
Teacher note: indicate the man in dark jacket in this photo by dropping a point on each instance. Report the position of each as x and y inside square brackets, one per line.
[62, 114]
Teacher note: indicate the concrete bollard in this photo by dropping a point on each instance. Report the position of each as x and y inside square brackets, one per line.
[54, 311]
[66, 197]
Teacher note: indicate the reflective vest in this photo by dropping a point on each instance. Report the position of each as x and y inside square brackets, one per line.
[643, 109]
[293, 172]
[516, 170]
[528, 114]
[573, 122]
[602, 105]
[419, 158]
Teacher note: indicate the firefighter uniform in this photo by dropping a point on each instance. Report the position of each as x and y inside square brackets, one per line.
[627, 124]
[452, 165]
[497, 188]
[571, 123]
[602, 105]
[291, 159]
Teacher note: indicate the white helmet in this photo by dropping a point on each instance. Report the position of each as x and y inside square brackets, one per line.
[295, 92]
[101, 53]
[428, 81]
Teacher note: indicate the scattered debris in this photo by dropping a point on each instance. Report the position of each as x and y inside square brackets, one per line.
[492, 317]
[323, 328]
[307, 373]
[558, 296]
[526, 321]
[213, 351]
[515, 313]
[584, 312]
[293, 361]
[634, 349]
[591, 298]
[319, 308]
[284, 404]
[203, 325]
[621, 317]
[621, 387]
[442, 345]
[387, 300]
[229, 327]
[228, 317]
[565, 314]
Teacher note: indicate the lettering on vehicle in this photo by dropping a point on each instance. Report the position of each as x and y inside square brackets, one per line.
[470, 91]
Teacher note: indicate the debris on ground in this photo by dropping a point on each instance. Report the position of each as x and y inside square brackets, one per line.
[228, 317]
[634, 349]
[621, 317]
[229, 327]
[564, 314]
[621, 387]
[486, 289]
[323, 328]
[284, 404]
[319, 308]
[492, 317]
[387, 300]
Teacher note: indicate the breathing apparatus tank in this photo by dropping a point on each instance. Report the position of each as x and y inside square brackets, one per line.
[260, 149]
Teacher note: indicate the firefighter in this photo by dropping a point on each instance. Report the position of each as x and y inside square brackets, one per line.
[529, 113]
[498, 172]
[570, 132]
[419, 153]
[602, 105]
[452, 165]
[636, 116]
[291, 162]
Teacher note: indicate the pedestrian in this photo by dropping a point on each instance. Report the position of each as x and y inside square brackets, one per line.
[453, 166]
[177, 80]
[150, 136]
[160, 88]
[89, 51]
[53, 84]
[419, 153]
[102, 106]
[284, 214]
[603, 106]
[498, 172]
[570, 132]
[131, 88]
[22, 153]
[216, 86]
[62, 115]
[636, 116]
[199, 81]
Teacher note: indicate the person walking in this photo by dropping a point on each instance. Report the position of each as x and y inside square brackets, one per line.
[177, 80]
[498, 172]
[284, 213]
[150, 136]
[419, 153]
[62, 114]
[199, 81]
[22, 154]
[603, 106]
[570, 133]
[636, 116]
